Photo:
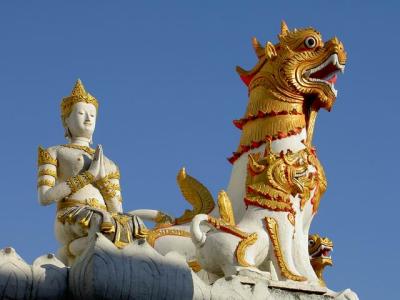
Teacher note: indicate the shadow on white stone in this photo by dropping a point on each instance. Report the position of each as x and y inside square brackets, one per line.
[136, 272]
[50, 278]
[15, 276]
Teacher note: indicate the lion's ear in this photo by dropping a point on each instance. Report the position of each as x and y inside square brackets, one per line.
[284, 29]
[270, 50]
[258, 48]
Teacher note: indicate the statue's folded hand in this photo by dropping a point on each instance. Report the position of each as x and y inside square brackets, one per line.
[97, 168]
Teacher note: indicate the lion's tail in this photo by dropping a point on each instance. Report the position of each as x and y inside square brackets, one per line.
[198, 236]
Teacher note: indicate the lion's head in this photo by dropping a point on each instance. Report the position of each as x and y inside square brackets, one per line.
[300, 66]
[320, 249]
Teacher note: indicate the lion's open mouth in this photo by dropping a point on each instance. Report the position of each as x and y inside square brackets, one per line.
[322, 252]
[326, 72]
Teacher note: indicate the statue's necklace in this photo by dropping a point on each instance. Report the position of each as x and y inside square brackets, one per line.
[88, 150]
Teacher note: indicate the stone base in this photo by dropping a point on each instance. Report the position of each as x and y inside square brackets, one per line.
[294, 286]
[137, 272]
[240, 287]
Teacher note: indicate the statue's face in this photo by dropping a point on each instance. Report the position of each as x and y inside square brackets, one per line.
[82, 120]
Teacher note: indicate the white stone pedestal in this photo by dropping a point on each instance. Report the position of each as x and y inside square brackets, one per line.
[104, 272]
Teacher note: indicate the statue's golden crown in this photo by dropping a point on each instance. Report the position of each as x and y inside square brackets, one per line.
[78, 94]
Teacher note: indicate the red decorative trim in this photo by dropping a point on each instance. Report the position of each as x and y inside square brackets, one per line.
[247, 78]
[260, 115]
[256, 144]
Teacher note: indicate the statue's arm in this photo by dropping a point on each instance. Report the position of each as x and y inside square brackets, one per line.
[49, 189]
[110, 188]
[153, 215]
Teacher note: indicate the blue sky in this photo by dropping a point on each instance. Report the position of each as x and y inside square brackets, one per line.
[163, 72]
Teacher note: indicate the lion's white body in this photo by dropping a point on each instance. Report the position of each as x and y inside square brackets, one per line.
[216, 249]
[217, 253]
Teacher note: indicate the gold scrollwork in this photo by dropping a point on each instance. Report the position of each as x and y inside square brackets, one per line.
[114, 175]
[247, 239]
[107, 189]
[46, 182]
[77, 182]
[242, 247]
[44, 157]
[47, 172]
[86, 149]
[273, 178]
[92, 202]
[272, 228]
[153, 235]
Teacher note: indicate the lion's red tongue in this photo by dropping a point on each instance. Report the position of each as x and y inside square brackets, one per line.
[333, 79]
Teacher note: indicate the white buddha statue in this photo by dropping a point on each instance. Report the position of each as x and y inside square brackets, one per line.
[83, 183]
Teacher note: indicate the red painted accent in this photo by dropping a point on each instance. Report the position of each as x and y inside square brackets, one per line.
[256, 144]
[282, 135]
[244, 148]
[241, 122]
[238, 124]
[247, 79]
[231, 159]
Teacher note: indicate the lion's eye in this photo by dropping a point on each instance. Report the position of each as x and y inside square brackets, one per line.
[310, 42]
[311, 242]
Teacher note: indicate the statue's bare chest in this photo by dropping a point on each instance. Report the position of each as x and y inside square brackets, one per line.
[72, 162]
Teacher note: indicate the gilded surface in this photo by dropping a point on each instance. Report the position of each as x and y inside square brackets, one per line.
[107, 188]
[163, 220]
[273, 178]
[319, 249]
[227, 224]
[154, 234]
[88, 150]
[46, 182]
[287, 87]
[92, 202]
[47, 172]
[242, 247]
[114, 175]
[44, 158]
[119, 227]
[272, 228]
[196, 194]
[77, 182]
[122, 228]
[194, 265]
[78, 94]
[225, 208]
